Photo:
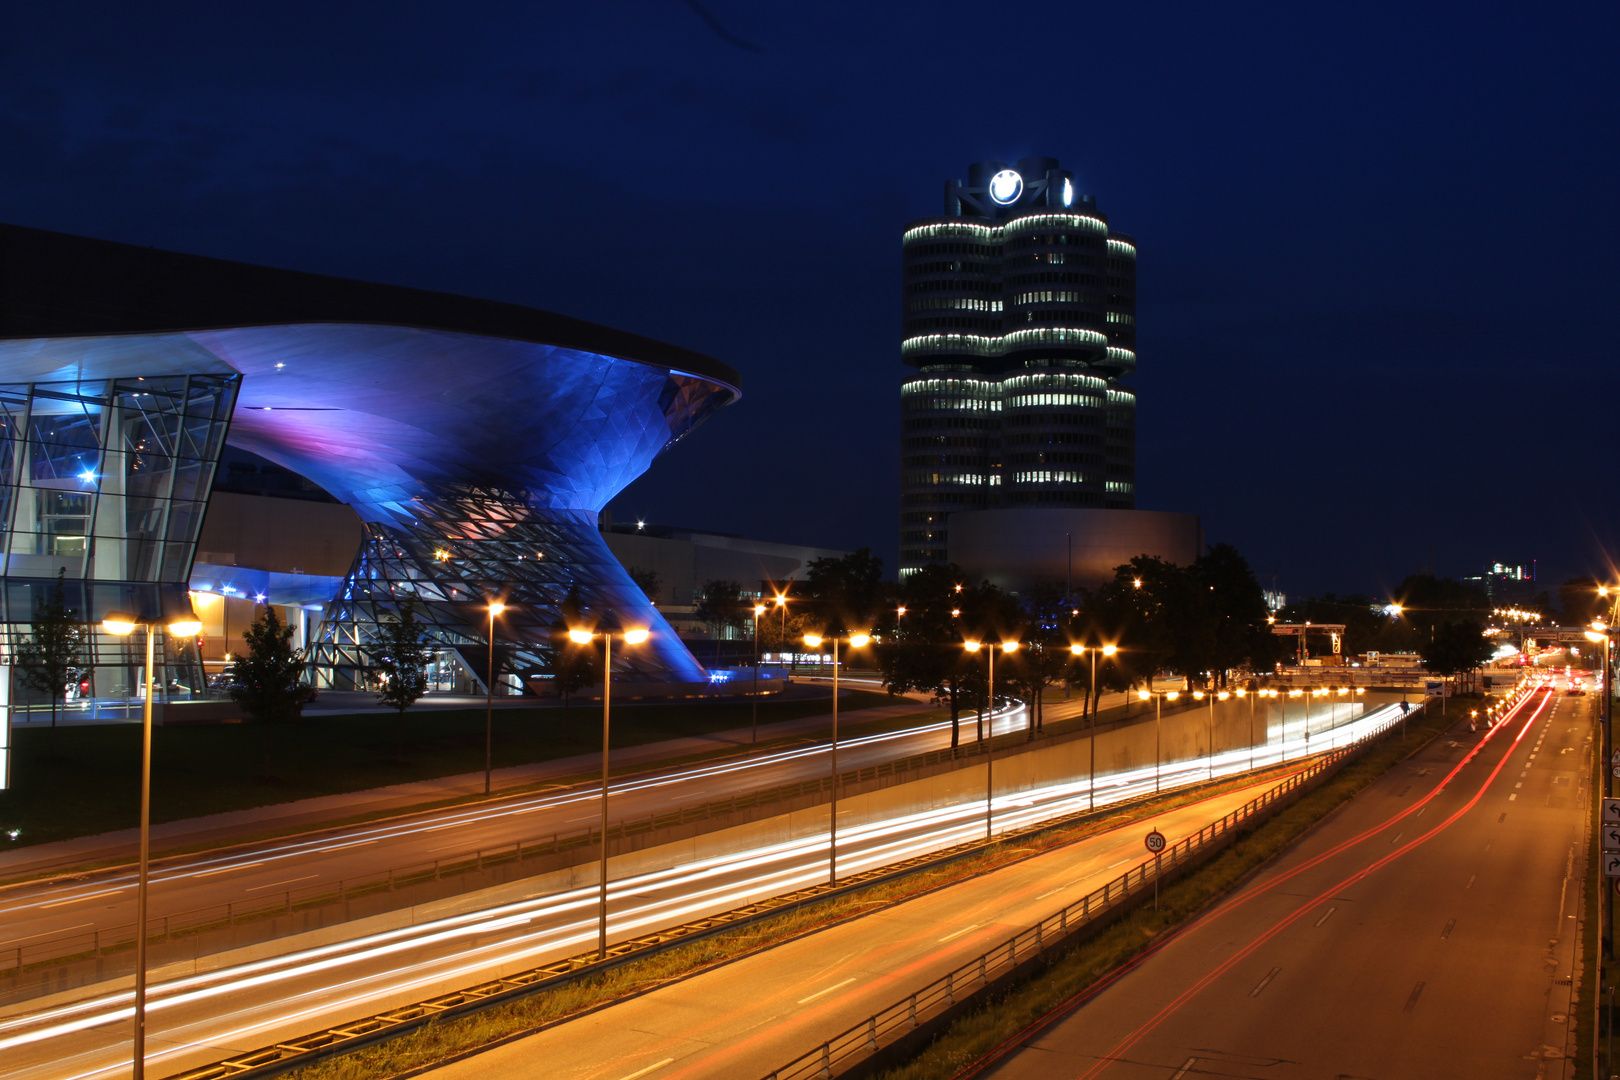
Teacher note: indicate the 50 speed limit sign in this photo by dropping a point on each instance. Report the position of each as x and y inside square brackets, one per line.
[1155, 841]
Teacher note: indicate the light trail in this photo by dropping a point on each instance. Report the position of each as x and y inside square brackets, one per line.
[284, 996]
[206, 865]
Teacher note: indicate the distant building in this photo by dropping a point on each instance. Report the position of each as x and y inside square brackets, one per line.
[1019, 314]
[1507, 583]
[685, 559]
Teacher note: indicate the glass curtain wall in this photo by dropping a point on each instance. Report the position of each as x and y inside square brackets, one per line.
[103, 485]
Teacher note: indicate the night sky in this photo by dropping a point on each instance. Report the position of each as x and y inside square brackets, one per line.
[1378, 243]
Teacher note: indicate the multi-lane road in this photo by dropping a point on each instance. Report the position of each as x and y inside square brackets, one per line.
[1428, 930]
[198, 1017]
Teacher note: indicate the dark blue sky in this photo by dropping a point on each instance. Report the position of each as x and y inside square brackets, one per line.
[1378, 242]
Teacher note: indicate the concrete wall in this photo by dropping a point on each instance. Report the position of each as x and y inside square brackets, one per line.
[1012, 548]
[284, 536]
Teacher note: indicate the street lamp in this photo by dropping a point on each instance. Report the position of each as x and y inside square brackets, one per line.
[856, 641]
[495, 608]
[990, 747]
[759, 609]
[781, 607]
[121, 625]
[1096, 701]
[1159, 698]
[633, 636]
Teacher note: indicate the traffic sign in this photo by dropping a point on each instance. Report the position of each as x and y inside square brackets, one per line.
[1611, 864]
[1155, 841]
[1611, 837]
[1611, 811]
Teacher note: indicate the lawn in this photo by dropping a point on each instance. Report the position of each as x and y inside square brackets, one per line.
[89, 783]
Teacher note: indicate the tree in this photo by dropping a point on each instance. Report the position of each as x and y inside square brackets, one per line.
[265, 678]
[1457, 647]
[923, 650]
[1236, 607]
[402, 654]
[849, 593]
[1044, 613]
[721, 607]
[646, 580]
[52, 655]
[573, 666]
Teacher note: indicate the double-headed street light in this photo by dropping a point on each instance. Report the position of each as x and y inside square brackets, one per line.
[1159, 698]
[634, 636]
[1095, 705]
[495, 608]
[855, 641]
[181, 626]
[990, 720]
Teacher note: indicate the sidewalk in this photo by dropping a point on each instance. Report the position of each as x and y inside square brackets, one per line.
[310, 814]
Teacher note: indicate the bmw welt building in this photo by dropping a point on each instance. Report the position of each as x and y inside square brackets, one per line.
[476, 441]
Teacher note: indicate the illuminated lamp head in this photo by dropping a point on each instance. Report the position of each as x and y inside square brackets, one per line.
[1006, 186]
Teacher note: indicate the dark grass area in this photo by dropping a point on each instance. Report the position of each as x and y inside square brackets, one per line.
[85, 780]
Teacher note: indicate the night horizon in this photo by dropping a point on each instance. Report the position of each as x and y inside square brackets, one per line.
[1359, 247]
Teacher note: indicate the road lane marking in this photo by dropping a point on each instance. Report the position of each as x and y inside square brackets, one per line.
[1450, 926]
[820, 993]
[1472, 878]
[227, 869]
[1325, 915]
[64, 903]
[648, 1069]
[1411, 1002]
[1272, 974]
[1512, 797]
[1186, 1067]
[959, 933]
[279, 884]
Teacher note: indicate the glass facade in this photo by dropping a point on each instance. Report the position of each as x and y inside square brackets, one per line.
[104, 482]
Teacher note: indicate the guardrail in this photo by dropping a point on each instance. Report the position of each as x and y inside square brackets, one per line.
[21, 955]
[882, 1028]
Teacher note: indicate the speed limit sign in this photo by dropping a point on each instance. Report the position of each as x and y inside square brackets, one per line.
[1155, 841]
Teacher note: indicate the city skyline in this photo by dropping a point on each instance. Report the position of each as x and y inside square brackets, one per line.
[1331, 214]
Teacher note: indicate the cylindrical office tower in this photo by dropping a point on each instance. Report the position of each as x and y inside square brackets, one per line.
[1019, 314]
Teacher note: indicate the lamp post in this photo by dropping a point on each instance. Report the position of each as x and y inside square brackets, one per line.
[856, 641]
[781, 606]
[583, 637]
[1159, 697]
[1243, 692]
[990, 752]
[759, 609]
[187, 625]
[495, 608]
[1091, 722]
[1296, 692]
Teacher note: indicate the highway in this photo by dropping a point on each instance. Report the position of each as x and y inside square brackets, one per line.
[1425, 931]
[193, 1018]
[248, 872]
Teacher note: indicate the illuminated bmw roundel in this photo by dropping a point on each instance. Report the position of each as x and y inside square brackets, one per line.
[1006, 186]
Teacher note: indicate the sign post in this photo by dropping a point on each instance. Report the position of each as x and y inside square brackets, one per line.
[1155, 842]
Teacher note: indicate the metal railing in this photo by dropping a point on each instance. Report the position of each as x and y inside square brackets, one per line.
[870, 1035]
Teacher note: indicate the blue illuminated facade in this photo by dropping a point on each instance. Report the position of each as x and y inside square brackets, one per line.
[476, 441]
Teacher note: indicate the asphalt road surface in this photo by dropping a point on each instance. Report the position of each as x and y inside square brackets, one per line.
[197, 1018]
[1426, 931]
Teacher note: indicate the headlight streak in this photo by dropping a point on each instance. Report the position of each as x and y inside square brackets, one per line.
[471, 817]
[701, 887]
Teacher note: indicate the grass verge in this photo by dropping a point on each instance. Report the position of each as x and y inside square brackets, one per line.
[444, 1040]
[999, 1019]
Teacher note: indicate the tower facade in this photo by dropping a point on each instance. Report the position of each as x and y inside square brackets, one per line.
[1019, 316]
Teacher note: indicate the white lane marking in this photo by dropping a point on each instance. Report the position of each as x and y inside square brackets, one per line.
[1325, 915]
[279, 884]
[226, 869]
[959, 933]
[64, 903]
[1512, 797]
[1121, 862]
[1471, 881]
[821, 993]
[1265, 982]
[648, 1069]
[1186, 1068]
